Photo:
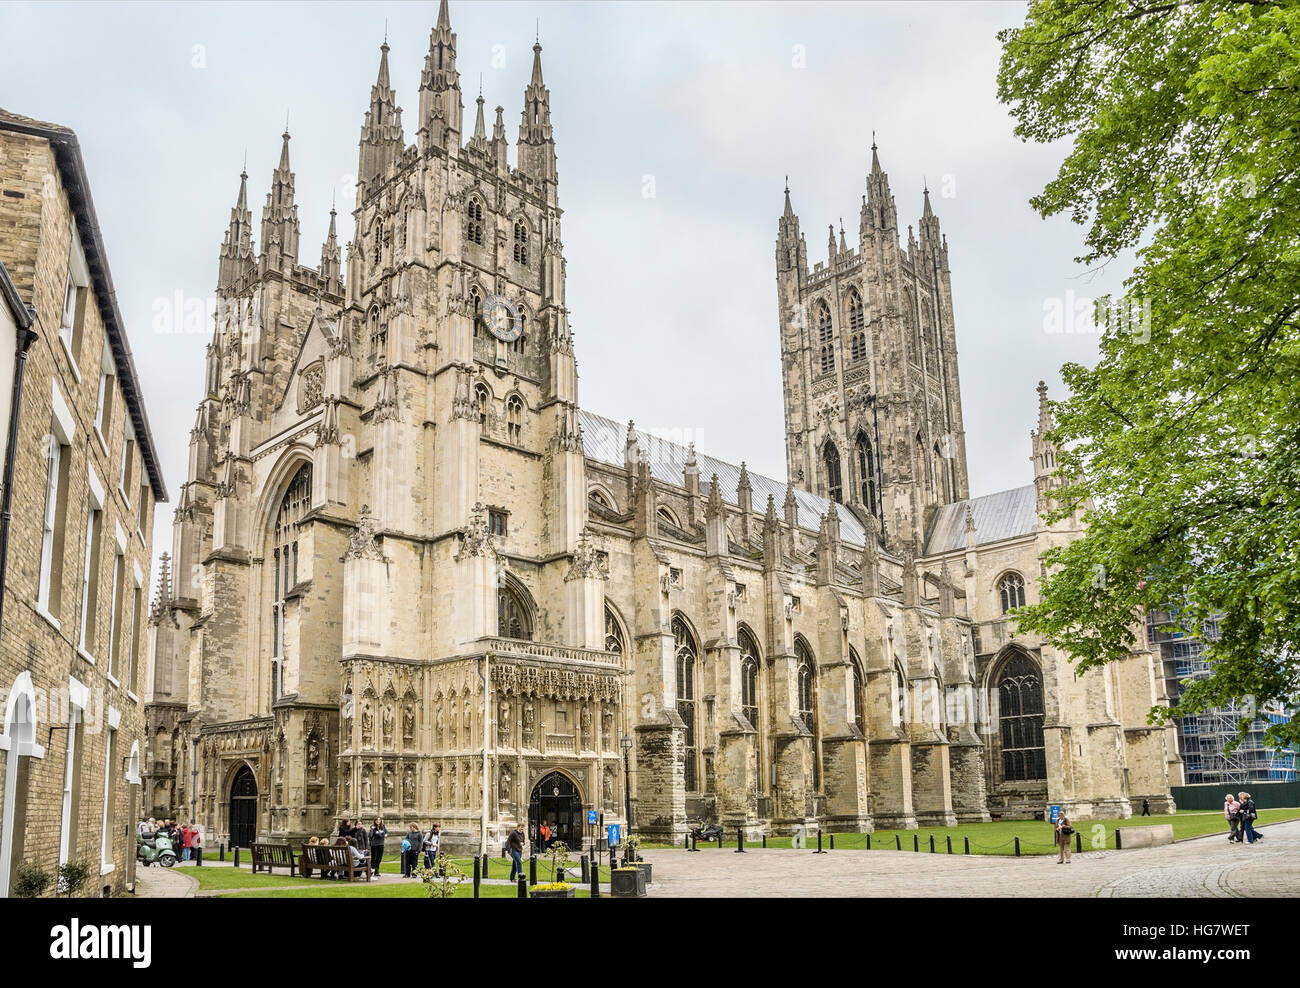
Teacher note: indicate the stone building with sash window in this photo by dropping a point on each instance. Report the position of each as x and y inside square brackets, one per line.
[412, 577]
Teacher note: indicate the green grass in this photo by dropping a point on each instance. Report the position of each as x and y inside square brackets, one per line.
[500, 868]
[212, 879]
[999, 837]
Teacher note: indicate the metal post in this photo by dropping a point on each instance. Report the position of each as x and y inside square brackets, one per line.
[740, 840]
[765, 842]
[586, 870]
[819, 843]
[1017, 847]
[950, 843]
[532, 869]
[477, 876]
[898, 842]
[691, 848]
[221, 852]
[832, 842]
[932, 843]
[916, 842]
[236, 857]
[485, 864]
[523, 887]
[1078, 841]
[868, 842]
[967, 842]
[198, 857]
[595, 881]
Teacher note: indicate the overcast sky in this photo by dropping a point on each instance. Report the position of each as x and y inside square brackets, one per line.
[710, 106]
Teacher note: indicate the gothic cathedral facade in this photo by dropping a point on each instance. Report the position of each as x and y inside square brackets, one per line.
[412, 578]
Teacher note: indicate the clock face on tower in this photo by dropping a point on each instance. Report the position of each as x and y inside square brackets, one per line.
[502, 318]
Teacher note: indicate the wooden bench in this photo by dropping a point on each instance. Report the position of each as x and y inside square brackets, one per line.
[270, 855]
[322, 858]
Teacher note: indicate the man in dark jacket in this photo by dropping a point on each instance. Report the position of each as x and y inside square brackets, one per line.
[515, 845]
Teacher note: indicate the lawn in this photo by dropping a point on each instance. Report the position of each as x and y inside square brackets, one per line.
[500, 868]
[999, 837]
[407, 890]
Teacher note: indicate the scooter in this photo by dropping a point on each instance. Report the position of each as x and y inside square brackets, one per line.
[155, 849]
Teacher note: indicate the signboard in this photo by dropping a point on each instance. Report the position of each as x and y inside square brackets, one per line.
[1055, 813]
[614, 836]
[591, 816]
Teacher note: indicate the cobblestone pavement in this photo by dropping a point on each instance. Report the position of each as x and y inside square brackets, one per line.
[1205, 867]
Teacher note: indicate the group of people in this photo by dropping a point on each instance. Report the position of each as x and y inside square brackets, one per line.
[368, 844]
[185, 840]
[1240, 812]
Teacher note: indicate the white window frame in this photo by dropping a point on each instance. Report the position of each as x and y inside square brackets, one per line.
[128, 461]
[107, 374]
[78, 697]
[17, 741]
[63, 432]
[119, 563]
[96, 505]
[105, 837]
[78, 279]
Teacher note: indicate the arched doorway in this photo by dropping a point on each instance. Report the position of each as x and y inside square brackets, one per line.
[556, 800]
[243, 808]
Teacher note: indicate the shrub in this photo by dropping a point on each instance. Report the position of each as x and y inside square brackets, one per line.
[31, 881]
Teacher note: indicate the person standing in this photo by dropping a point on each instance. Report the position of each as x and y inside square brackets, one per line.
[345, 827]
[413, 841]
[378, 834]
[1063, 834]
[196, 841]
[544, 831]
[1146, 807]
[1248, 815]
[187, 837]
[515, 845]
[432, 843]
[1232, 813]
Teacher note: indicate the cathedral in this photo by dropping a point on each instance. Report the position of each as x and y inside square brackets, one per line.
[412, 577]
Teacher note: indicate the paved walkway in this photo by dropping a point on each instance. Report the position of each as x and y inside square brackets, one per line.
[157, 882]
[1208, 866]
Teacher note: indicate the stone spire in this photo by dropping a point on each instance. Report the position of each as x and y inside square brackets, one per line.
[237, 247]
[479, 140]
[879, 212]
[745, 500]
[330, 256]
[381, 131]
[163, 595]
[280, 216]
[1044, 453]
[844, 247]
[931, 238]
[440, 105]
[790, 253]
[536, 141]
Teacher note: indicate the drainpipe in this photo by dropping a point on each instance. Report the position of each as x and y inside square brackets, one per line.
[487, 707]
[26, 336]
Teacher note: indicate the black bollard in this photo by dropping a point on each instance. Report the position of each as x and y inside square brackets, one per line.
[1017, 847]
[586, 870]
[932, 843]
[485, 864]
[765, 842]
[687, 841]
[898, 842]
[595, 881]
[967, 842]
[503, 852]
[740, 840]
[221, 856]
[868, 842]
[819, 844]
[1078, 841]
[950, 843]
[532, 869]
[692, 847]
[719, 840]
[236, 857]
[198, 857]
[832, 842]
[523, 887]
[477, 876]
[916, 842]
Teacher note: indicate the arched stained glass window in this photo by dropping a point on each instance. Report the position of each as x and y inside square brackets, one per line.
[1011, 589]
[825, 338]
[514, 616]
[866, 473]
[613, 633]
[284, 561]
[748, 677]
[1020, 720]
[687, 651]
[834, 481]
[857, 326]
[474, 221]
[857, 712]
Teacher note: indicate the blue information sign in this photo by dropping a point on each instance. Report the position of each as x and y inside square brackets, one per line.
[613, 830]
[591, 816]
[1056, 812]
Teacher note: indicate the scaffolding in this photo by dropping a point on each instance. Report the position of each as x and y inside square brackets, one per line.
[1203, 737]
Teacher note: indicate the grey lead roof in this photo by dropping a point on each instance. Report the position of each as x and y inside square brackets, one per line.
[605, 440]
[1004, 515]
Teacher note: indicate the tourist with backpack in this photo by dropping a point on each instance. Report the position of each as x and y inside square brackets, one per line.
[1063, 834]
[1248, 817]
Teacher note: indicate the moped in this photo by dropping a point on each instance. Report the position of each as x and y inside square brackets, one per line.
[157, 848]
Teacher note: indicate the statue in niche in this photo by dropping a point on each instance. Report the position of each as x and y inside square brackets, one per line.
[468, 722]
[347, 720]
[503, 721]
[528, 722]
[282, 756]
[584, 720]
[366, 790]
[367, 726]
[387, 724]
[607, 730]
[608, 788]
[408, 723]
[451, 724]
[389, 785]
[451, 786]
[503, 787]
[437, 731]
[469, 787]
[408, 785]
[437, 786]
[347, 790]
[313, 757]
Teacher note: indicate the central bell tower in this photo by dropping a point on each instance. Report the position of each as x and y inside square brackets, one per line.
[869, 366]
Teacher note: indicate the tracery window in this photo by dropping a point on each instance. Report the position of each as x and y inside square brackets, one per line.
[474, 221]
[857, 327]
[1020, 721]
[481, 400]
[834, 483]
[748, 677]
[825, 338]
[513, 614]
[378, 337]
[476, 309]
[1011, 590]
[284, 551]
[866, 472]
[857, 705]
[613, 633]
[521, 242]
[687, 651]
[515, 419]
[806, 680]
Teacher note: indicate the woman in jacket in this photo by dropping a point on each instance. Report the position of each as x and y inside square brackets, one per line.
[377, 837]
[1248, 814]
[411, 857]
[1232, 813]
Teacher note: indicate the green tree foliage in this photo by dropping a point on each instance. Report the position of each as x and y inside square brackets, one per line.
[1182, 444]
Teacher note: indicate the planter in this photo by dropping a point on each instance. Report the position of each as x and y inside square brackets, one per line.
[629, 883]
[644, 867]
[543, 893]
